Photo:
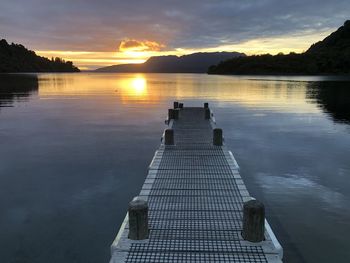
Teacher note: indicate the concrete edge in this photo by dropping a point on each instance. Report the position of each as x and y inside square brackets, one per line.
[271, 245]
[116, 254]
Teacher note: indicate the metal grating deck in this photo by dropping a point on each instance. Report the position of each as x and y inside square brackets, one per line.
[195, 196]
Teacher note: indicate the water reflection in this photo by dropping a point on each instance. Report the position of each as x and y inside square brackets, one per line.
[333, 98]
[69, 157]
[16, 87]
[139, 86]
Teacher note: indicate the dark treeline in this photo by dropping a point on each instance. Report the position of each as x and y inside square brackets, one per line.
[330, 56]
[16, 58]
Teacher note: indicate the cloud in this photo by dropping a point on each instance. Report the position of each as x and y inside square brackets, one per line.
[167, 25]
[136, 45]
[91, 25]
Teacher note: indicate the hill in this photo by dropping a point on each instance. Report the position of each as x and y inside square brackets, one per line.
[329, 56]
[193, 63]
[16, 58]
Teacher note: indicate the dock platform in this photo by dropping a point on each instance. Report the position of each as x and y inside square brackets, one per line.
[195, 198]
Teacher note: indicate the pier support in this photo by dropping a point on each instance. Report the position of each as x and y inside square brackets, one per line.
[206, 105]
[176, 104]
[169, 137]
[217, 137]
[181, 105]
[253, 221]
[138, 219]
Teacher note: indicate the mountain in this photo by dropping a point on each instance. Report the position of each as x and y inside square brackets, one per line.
[337, 42]
[16, 58]
[329, 56]
[193, 63]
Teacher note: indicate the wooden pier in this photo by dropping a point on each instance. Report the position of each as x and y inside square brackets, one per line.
[190, 208]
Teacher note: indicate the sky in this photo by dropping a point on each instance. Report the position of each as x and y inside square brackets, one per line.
[97, 33]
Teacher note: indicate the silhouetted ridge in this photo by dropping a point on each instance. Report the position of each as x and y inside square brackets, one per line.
[338, 41]
[193, 63]
[16, 58]
[329, 56]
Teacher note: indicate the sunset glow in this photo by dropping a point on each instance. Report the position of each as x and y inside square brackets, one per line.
[139, 52]
[117, 34]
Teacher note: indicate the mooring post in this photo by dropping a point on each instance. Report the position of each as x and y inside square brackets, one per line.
[181, 105]
[207, 113]
[176, 114]
[206, 105]
[138, 219]
[169, 137]
[171, 114]
[217, 137]
[253, 221]
[176, 104]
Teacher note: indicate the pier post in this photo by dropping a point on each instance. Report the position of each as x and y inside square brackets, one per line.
[207, 114]
[206, 105]
[169, 137]
[253, 221]
[181, 105]
[170, 114]
[176, 104]
[176, 114]
[217, 137]
[138, 219]
[173, 114]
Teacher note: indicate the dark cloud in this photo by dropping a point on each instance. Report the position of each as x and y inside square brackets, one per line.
[101, 25]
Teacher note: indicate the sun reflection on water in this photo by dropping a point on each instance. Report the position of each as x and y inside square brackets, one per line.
[138, 86]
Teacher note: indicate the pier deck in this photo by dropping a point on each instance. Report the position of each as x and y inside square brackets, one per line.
[195, 196]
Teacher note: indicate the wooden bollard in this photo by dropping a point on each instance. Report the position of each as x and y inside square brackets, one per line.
[176, 104]
[217, 137]
[206, 105]
[171, 114]
[253, 221]
[207, 113]
[138, 219]
[181, 105]
[176, 114]
[169, 137]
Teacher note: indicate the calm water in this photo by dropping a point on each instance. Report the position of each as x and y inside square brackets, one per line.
[74, 149]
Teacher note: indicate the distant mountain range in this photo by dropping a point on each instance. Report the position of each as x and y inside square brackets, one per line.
[16, 58]
[193, 63]
[329, 56]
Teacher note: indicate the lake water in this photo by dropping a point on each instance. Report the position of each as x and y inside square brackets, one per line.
[74, 150]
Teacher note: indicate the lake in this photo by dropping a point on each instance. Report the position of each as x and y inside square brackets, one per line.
[75, 149]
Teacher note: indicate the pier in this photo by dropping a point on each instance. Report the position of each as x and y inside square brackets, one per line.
[194, 205]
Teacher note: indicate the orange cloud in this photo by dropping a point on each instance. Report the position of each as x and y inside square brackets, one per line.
[136, 45]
